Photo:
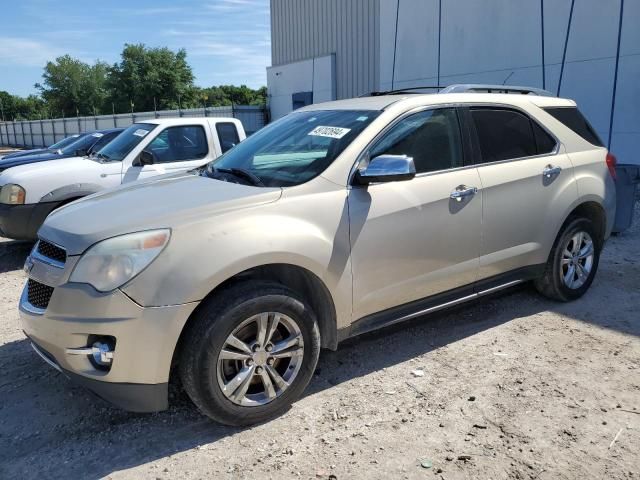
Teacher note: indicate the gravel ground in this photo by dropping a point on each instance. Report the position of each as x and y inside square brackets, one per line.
[514, 386]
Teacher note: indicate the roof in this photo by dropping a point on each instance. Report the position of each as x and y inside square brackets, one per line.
[107, 130]
[185, 120]
[382, 102]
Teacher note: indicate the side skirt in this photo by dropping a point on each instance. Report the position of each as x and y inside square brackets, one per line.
[441, 301]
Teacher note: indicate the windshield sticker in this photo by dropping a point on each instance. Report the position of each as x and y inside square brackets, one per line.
[331, 132]
[97, 135]
[140, 132]
[362, 119]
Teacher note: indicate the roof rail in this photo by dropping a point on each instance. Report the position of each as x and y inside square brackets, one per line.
[400, 91]
[478, 87]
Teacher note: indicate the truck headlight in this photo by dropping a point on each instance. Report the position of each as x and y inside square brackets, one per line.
[111, 263]
[12, 194]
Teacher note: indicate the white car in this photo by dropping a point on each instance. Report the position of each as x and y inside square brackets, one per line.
[28, 193]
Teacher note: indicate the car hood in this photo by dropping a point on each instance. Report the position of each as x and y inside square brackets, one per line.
[32, 158]
[167, 201]
[22, 153]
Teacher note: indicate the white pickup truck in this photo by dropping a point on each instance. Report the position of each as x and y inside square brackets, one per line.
[28, 193]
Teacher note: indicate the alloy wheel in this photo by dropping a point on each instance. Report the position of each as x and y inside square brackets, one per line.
[577, 260]
[260, 359]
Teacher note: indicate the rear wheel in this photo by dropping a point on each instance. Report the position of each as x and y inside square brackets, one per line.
[572, 263]
[250, 352]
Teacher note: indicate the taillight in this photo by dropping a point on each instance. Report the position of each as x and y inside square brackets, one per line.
[611, 164]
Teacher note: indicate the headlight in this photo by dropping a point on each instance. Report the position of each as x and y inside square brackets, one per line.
[12, 194]
[113, 262]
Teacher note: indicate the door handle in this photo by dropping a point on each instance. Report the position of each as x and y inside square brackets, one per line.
[550, 171]
[462, 191]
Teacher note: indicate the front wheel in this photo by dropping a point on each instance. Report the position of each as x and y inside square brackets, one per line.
[250, 353]
[572, 263]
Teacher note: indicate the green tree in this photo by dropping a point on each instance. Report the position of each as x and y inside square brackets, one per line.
[147, 73]
[70, 85]
[14, 107]
[232, 94]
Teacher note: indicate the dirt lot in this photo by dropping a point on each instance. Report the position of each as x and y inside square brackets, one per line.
[514, 386]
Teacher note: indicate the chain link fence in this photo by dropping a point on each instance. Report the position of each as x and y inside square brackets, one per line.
[41, 133]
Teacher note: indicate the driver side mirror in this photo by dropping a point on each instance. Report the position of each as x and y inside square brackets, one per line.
[82, 152]
[386, 168]
[145, 158]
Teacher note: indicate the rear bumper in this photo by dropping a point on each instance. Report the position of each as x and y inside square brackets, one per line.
[134, 397]
[21, 222]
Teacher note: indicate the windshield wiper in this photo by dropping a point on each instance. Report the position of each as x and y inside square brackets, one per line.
[99, 156]
[241, 173]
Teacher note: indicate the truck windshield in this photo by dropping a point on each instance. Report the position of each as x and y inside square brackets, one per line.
[296, 148]
[120, 146]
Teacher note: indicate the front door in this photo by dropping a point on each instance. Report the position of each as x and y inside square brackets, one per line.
[175, 149]
[411, 239]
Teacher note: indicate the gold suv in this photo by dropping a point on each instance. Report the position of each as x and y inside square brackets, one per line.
[335, 220]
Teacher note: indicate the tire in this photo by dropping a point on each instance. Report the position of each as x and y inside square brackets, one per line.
[554, 284]
[241, 310]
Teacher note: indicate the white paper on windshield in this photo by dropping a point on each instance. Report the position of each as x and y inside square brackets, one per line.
[140, 132]
[97, 135]
[331, 132]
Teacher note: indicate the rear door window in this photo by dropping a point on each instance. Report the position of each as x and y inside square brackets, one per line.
[503, 134]
[228, 135]
[545, 142]
[572, 117]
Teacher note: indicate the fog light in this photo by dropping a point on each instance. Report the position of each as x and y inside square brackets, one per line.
[100, 352]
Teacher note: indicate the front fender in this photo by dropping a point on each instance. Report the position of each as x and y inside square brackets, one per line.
[68, 192]
[202, 255]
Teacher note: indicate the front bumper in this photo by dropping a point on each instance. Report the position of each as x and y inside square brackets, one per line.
[21, 222]
[145, 342]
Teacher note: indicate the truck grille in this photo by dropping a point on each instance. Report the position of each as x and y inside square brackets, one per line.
[52, 251]
[38, 294]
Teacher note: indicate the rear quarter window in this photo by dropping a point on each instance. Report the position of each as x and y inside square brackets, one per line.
[572, 118]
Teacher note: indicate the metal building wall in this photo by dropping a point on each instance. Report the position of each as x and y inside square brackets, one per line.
[587, 50]
[303, 29]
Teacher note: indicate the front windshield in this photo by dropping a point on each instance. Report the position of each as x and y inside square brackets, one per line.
[65, 141]
[83, 143]
[296, 148]
[119, 147]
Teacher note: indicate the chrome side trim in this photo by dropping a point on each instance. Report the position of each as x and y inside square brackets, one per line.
[435, 308]
[499, 287]
[456, 302]
[45, 358]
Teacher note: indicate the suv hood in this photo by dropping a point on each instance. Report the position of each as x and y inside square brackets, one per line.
[165, 201]
[31, 158]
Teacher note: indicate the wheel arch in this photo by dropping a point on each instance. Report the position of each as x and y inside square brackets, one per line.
[71, 192]
[299, 279]
[592, 209]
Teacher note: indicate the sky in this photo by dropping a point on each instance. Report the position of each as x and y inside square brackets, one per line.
[227, 41]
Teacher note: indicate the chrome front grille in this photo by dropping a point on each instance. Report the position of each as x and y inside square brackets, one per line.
[51, 251]
[38, 294]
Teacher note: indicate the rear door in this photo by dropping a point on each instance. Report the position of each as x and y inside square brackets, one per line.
[526, 179]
